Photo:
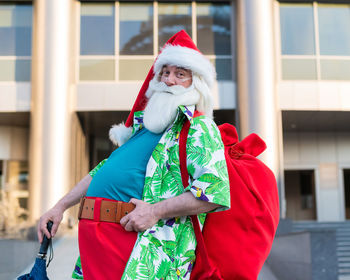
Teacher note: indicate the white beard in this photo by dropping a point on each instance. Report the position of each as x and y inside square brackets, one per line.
[163, 102]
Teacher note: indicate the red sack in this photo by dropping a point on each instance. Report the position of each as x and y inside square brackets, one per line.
[235, 243]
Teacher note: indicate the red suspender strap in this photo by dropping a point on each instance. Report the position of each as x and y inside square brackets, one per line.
[183, 153]
[201, 252]
[182, 149]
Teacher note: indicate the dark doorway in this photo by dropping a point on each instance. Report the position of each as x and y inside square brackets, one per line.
[346, 173]
[300, 194]
[1, 178]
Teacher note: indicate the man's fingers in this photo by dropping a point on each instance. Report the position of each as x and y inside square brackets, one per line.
[123, 221]
[54, 215]
[134, 201]
[46, 232]
[42, 230]
[128, 226]
[54, 229]
[128, 223]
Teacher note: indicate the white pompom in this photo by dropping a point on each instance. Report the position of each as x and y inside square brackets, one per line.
[119, 134]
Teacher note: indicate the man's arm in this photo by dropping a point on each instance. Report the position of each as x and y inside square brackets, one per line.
[55, 214]
[146, 215]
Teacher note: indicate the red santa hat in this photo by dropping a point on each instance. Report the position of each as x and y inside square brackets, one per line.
[179, 51]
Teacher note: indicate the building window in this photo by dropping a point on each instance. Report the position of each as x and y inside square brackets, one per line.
[297, 29]
[136, 44]
[334, 26]
[136, 32]
[97, 29]
[136, 29]
[172, 18]
[97, 69]
[315, 41]
[16, 42]
[214, 36]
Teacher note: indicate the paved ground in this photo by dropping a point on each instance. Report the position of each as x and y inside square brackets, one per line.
[65, 255]
[14, 256]
[266, 274]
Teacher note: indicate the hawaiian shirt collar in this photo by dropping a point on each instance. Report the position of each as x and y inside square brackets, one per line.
[188, 111]
[138, 121]
[138, 118]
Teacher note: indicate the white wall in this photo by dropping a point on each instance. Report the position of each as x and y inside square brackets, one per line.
[16, 97]
[112, 96]
[313, 95]
[327, 153]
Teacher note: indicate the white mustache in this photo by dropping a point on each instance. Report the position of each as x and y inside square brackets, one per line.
[155, 86]
[161, 108]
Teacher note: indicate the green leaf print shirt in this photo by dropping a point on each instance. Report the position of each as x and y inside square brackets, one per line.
[167, 250]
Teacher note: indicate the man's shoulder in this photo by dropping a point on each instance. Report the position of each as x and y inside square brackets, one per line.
[203, 120]
[204, 126]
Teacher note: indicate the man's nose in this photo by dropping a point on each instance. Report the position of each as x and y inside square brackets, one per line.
[170, 81]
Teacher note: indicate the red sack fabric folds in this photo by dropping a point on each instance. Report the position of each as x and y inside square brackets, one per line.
[238, 241]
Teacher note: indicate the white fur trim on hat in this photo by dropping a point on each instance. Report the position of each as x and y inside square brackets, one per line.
[187, 58]
[119, 134]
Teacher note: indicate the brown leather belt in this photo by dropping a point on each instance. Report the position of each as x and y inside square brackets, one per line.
[98, 209]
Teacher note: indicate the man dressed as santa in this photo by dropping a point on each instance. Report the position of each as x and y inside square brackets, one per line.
[134, 217]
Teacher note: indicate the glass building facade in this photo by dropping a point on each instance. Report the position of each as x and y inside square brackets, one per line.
[315, 41]
[16, 42]
[107, 51]
[117, 43]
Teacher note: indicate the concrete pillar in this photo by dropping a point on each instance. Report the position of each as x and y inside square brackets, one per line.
[257, 101]
[50, 110]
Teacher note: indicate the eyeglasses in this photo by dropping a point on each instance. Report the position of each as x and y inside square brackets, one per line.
[180, 74]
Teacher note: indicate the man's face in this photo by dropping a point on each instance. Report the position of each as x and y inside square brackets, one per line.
[173, 75]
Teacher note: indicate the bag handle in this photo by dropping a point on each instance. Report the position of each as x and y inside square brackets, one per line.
[201, 250]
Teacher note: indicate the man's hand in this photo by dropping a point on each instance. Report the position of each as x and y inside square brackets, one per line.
[146, 215]
[141, 218]
[55, 215]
